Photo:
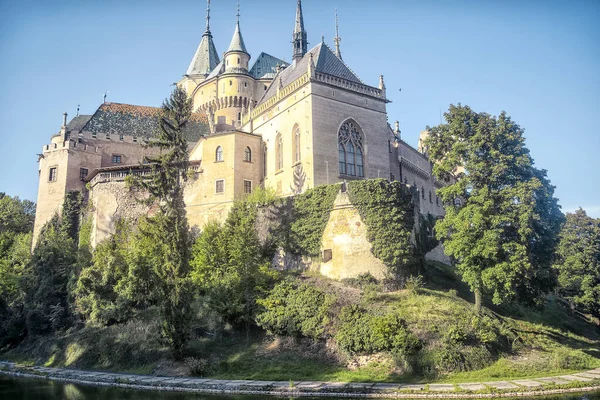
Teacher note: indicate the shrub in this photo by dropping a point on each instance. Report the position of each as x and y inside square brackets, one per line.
[361, 332]
[361, 281]
[413, 283]
[295, 309]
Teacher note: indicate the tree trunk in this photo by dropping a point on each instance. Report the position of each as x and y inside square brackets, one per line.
[478, 300]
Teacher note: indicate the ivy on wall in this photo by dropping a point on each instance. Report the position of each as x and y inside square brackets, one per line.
[387, 209]
[309, 214]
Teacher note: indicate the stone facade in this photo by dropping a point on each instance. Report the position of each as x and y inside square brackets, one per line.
[285, 126]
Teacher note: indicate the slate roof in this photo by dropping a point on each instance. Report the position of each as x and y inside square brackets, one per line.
[77, 123]
[326, 62]
[264, 66]
[206, 57]
[130, 120]
[219, 69]
[237, 41]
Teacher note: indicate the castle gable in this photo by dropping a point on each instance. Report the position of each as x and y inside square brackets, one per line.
[131, 120]
[326, 62]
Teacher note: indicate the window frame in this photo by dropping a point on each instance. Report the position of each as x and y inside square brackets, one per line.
[296, 141]
[247, 181]
[351, 154]
[219, 154]
[81, 175]
[248, 154]
[117, 159]
[279, 152]
[52, 174]
[217, 181]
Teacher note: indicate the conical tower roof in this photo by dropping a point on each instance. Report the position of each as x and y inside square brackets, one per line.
[206, 57]
[237, 42]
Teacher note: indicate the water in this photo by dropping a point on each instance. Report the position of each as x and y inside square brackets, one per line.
[41, 389]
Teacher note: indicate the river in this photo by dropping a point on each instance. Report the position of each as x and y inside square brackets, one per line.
[41, 389]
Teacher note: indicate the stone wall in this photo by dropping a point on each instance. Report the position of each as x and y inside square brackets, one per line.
[346, 250]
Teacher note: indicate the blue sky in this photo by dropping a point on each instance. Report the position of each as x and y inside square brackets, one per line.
[537, 60]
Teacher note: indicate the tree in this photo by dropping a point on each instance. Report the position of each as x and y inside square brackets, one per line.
[578, 261]
[16, 225]
[47, 279]
[168, 229]
[501, 221]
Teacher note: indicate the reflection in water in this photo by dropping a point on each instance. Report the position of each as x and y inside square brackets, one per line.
[39, 389]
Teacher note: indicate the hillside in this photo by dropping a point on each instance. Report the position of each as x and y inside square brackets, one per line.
[455, 345]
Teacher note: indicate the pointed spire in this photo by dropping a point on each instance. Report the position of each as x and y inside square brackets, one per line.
[299, 37]
[337, 39]
[237, 42]
[207, 18]
[206, 57]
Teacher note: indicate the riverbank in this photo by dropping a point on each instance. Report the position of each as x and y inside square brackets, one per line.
[588, 381]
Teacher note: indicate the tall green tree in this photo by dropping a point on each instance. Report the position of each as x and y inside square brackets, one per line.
[502, 221]
[578, 261]
[168, 229]
[16, 225]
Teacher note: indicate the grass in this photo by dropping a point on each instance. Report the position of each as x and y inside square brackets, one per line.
[507, 342]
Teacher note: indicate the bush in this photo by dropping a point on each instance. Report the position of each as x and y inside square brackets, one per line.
[361, 281]
[295, 309]
[361, 332]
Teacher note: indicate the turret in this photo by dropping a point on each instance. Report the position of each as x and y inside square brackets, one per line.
[206, 57]
[299, 37]
[237, 57]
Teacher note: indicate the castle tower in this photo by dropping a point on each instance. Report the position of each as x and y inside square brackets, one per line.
[204, 61]
[235, 85]
[299, 37]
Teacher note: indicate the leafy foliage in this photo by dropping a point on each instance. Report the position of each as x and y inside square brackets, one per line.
[229, 265]
[503, 231]
[47, 280]
[388, 211]
[578, 261]
[309, 216]
[363, 332]
[295, 309]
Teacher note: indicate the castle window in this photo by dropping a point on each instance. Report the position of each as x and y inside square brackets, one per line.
[247, 187]
[94, 135]
[135, 139]
[430, 198]
[220, 186]
[423, 192]
[52, 175]
[248, 154]
[83, 173]
[239, 116]
[238, 61]
[219, 154]
[230, 83]
[265, 161]
[296, 140]
[245, 84]
[121, 137]
[437, 201]
[116, 159]
[279, 152]
[265, 88]
[350, 148]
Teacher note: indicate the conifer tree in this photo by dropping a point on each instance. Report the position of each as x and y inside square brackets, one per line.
[501, 221]
[168, 229]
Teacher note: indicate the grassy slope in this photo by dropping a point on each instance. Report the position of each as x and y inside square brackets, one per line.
[532, 343]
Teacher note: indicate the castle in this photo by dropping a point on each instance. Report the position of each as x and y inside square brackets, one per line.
[286, 126]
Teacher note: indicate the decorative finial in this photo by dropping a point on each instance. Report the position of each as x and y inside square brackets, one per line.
[105, 94]
[337, 39]
[397, 127]
[77, 110]
[208, 16]
[322, 38]
[64, 119]
[238, 12]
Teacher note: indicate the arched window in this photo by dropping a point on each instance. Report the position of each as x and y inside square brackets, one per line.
[279, 152]
[265, 161]
[248, 154]
[350, 147]
[219, 154]
[296, 143]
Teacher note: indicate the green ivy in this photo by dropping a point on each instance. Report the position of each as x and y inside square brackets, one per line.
[387, 209]
[309, 216]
